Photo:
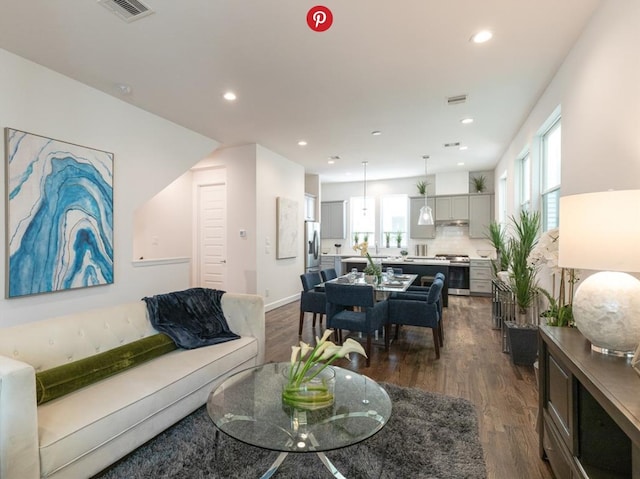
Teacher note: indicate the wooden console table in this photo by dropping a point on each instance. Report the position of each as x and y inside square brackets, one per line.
[589, 414]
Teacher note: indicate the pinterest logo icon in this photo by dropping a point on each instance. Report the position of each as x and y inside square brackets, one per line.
[319, 18]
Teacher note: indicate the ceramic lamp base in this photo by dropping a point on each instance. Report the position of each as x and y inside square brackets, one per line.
[606, 309]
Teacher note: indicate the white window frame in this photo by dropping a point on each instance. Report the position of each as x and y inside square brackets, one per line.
[550, 193]
[524, 181]
[502, 200]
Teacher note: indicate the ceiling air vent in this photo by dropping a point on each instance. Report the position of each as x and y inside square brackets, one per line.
[456, 100]
[452, 145]
[128, 10]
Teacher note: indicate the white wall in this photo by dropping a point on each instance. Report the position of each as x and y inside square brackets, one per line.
[150, 153]
[597, 88]
[256, 176]
[163, 225]
[277, 176]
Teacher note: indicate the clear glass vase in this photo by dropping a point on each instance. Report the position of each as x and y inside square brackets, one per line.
[315, 390]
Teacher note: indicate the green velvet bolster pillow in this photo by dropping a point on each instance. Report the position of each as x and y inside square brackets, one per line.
[56, 382]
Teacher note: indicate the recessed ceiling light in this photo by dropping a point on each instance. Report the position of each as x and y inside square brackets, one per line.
[462, 148]
[461, 164]
[376, 133]
[229, 96]
[482, 36]
[331, 162]
[302, 143]
[466, 121]
[123, 88]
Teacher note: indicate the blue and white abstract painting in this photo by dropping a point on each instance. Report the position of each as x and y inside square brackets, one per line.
[60, 215]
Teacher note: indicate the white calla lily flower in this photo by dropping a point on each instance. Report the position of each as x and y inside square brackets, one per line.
[351, 346]
[294, 353]
[325, 336]
[304, 349]
[329, 352]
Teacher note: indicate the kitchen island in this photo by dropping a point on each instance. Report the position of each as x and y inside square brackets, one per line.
[419, 265]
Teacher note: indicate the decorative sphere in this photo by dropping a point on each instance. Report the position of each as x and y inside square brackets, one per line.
[606, 309]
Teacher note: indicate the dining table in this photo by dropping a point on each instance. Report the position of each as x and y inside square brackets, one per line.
[383, 289]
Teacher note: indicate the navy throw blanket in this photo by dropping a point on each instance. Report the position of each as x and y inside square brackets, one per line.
[192, 318]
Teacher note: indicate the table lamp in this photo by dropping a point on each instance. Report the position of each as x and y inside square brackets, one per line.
[601, 231]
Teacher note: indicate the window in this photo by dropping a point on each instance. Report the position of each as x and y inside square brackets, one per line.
[502, 199]
[393, 210]
[525, 182]
[551, 167]
[363, 222]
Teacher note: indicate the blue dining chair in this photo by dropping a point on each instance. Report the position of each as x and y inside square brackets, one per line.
[419, 310]
[354, 308]
[328, 274]
[311, 301]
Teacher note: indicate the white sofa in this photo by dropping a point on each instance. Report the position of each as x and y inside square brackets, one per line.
[81, 433]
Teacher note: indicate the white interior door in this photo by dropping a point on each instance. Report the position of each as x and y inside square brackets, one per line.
[212, 247]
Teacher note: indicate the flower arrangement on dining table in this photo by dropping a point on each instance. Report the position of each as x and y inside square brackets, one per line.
[308, 385]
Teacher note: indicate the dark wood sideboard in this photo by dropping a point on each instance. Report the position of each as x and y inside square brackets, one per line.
[589, 414]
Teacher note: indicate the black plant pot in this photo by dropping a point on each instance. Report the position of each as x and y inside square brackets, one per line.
[523, 343]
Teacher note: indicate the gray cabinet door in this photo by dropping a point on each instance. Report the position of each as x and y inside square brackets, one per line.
[452, 208]
[332, 218]
[480, 215]
[417, 231]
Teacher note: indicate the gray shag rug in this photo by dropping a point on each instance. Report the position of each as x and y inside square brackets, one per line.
[428, 436]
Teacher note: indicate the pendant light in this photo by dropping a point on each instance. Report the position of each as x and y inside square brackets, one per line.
[426, 215]
[364, 202]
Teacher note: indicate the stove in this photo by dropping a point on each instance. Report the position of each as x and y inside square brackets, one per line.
[454, 258]
[458, 273]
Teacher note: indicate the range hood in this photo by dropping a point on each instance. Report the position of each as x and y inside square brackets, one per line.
[452, 222]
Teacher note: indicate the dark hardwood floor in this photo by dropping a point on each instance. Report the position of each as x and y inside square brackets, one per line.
[472, 365]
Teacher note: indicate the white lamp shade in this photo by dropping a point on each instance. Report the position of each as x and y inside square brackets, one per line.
[426, 216]
[600, 231]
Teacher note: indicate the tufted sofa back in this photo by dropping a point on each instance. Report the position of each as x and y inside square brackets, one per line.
[64, 339]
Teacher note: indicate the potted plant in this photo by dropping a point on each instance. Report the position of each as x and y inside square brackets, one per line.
[560, 308]
[522, 333]
[496, 235]
[399, 239]
[387, 239]
[356, 238]
[479, 183]
[422, 187]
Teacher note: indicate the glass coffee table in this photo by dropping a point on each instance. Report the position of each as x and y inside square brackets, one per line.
[248, 407]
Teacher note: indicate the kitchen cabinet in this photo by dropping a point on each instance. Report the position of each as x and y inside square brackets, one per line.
[480, 215]
[332, 219]
[480, 276]
[452, 208]
[589, 413]
[417, 231]
[309, 207]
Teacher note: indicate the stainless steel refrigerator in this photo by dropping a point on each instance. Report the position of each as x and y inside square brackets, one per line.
[312, 246]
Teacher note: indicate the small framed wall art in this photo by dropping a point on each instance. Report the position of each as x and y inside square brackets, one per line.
[59, 222]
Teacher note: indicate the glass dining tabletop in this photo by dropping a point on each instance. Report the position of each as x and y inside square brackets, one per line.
[248, 407]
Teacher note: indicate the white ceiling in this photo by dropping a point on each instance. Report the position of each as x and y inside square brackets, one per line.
[383, 65]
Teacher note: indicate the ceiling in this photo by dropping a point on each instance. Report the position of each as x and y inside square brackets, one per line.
[382, 65]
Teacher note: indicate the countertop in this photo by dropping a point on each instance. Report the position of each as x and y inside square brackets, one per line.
[394, 260]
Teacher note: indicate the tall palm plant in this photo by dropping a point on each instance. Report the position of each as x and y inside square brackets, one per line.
[525, 234]
[496, 235]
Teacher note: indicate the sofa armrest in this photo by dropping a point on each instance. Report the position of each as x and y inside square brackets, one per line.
[245, 316]
[19, 447]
